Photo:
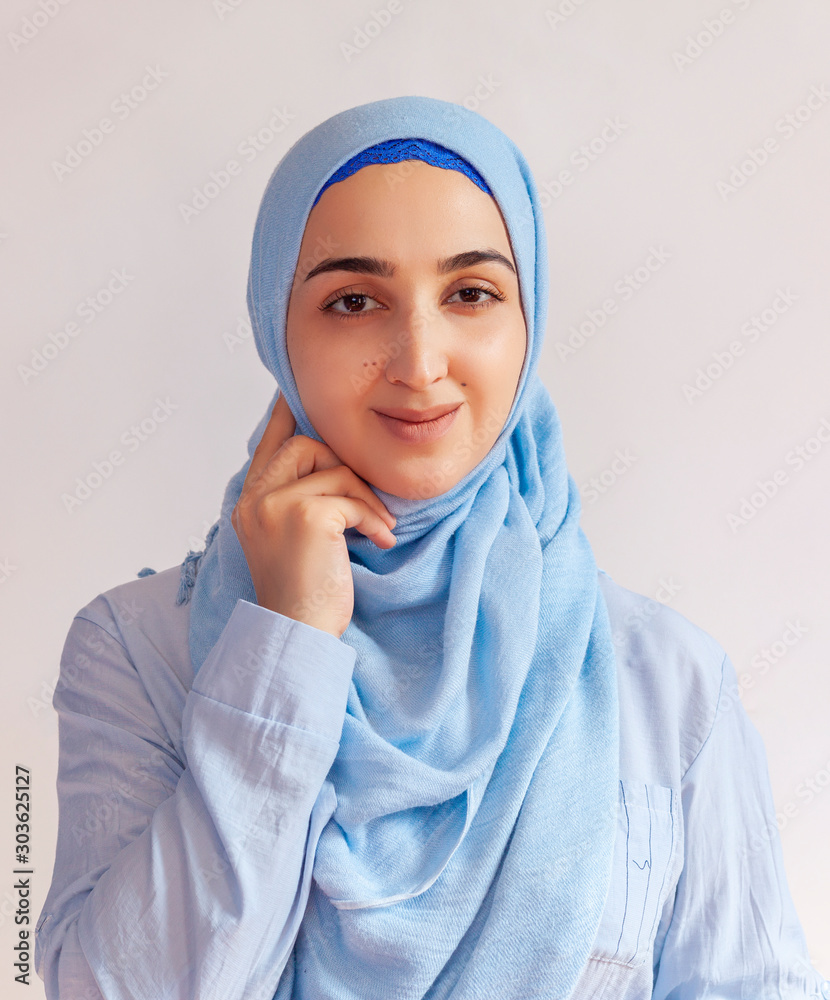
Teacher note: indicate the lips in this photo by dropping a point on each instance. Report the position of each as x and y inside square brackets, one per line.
[419, 426]
[418, 416]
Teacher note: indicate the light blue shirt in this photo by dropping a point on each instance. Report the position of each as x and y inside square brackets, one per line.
[189, 810]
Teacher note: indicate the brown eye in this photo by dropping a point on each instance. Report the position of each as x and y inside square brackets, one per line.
[478, 296]
[353, 304]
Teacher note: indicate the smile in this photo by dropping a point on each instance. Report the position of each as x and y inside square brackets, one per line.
[417, 431]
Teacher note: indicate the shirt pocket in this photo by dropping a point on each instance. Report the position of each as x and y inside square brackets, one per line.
[642, 873]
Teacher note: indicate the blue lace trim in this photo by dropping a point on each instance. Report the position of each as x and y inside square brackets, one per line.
[395, 150]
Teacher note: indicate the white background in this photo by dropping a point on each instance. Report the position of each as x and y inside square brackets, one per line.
[683, 125]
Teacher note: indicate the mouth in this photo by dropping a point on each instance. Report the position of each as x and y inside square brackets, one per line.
[419, 425]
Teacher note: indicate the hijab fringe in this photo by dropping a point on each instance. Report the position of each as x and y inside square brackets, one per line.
[190, 567]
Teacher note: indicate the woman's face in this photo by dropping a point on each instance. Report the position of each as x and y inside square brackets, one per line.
[393, 309]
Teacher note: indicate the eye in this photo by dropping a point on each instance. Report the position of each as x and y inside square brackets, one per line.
[477, 302]
[353, 304]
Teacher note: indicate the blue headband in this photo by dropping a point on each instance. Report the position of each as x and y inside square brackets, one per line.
[396, 150]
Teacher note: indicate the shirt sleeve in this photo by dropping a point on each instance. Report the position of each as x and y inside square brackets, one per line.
[188, 878]
[734, 932]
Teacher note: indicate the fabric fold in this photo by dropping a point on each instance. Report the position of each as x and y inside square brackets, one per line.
[444, 839]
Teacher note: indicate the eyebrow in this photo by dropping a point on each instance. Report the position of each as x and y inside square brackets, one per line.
[386, 269]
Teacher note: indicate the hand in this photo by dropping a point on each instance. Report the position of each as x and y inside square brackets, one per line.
[297, 500]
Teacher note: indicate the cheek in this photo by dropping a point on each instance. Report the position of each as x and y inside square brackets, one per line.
[328, 394]
[315, 362]
[501, 366]
[497, 380]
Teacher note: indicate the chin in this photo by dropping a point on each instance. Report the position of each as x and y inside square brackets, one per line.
[425, 488]
[412, 477]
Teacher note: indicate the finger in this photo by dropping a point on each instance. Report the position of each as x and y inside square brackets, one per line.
[298, 456]
[343, 481]
[347, 512]
[317, 471]
[280, 428]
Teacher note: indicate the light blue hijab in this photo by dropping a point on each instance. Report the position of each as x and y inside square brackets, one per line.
[469, 852]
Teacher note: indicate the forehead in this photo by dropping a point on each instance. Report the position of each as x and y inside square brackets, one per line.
[405, 203]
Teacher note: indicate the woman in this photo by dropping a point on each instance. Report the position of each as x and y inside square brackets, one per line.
[392, 734]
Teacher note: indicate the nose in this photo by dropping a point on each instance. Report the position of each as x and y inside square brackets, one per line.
[418, 354]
